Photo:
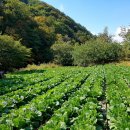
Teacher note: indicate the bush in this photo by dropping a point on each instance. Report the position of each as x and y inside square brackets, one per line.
[94, 52]
[115, 52]
[80, 55]
[63, 54]
[126, 48]
[12, 53]
[39, 67]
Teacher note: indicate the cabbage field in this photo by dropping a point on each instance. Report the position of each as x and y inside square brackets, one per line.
[66, 98]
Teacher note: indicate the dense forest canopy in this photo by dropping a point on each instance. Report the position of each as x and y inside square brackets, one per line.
[39, 25]
[53, 36]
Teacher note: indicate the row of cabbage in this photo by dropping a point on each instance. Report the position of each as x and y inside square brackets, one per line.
[80, 112]
[69, 99]
[19, 80]
[118, 97]
[19, 97]
[35, 112]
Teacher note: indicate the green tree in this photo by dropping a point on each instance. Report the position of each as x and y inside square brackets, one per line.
[104, 37]
[94, 52]
[12, 53]
[80, 56]
[37, 25]
[33, 2]
[13, 11]
[126, 49]
[125, 34]
[63, 54]
[19, 23]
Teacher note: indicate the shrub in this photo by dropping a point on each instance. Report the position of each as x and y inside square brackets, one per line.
[62, 54]
[12, 53]
[39, 67]
[80, 55]
[126, 48]
[94, 52]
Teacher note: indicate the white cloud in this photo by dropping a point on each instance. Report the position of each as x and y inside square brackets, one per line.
[118, 31]
[116, 36]
[62, 8]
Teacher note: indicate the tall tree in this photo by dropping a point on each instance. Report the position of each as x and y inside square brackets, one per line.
[125, 34]
[104, 37]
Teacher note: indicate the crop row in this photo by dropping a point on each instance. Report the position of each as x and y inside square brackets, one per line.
[23, 96]
[118, 98]
[67, 98]
[31, 114]
[14, 82]
[73, 111]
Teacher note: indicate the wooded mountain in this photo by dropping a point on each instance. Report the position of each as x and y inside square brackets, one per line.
[38, 26]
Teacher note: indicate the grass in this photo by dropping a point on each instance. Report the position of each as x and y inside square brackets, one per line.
[52, 65]
[39, 67]
[124, 63]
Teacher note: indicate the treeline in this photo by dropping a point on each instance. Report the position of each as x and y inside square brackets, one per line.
[99, 50]
[35, 32]
[37, 25]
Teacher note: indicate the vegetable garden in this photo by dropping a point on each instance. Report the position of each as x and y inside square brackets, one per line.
[66, 98]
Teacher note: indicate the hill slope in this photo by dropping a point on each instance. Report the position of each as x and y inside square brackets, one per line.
[61, 23]
[39, 25]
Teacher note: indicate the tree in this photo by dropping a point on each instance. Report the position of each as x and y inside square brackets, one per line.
[104, 37]
[95, 52]
[126, 49]
[37, 24]
[19, 23]
[125, 34]
[80, 56]
[13, 11]
[63, 54]
[33, 2]
[12, 53]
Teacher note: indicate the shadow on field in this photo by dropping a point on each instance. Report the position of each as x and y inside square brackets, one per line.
[11, 82]
[30, 71]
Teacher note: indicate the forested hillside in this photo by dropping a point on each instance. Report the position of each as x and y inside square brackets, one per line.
[31, 31]
[38, 26]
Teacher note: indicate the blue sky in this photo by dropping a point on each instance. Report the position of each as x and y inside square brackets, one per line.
[96, 14]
